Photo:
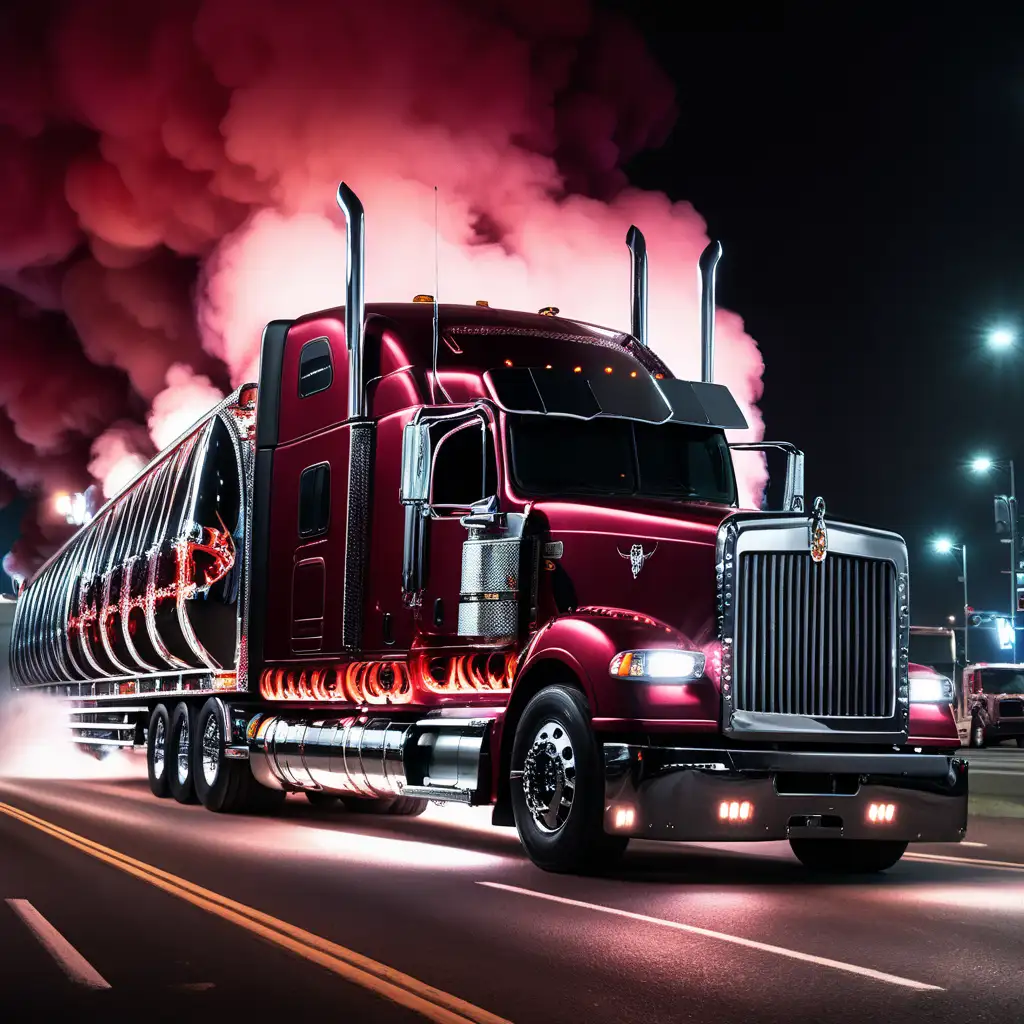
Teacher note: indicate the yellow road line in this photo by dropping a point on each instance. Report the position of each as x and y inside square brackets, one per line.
[385, 981]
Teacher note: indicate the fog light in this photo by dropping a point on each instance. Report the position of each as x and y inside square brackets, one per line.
[881, 814]
[735, 810]
[624, 817]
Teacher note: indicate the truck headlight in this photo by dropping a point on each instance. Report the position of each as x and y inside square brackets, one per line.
[658, 666]
[931, 690]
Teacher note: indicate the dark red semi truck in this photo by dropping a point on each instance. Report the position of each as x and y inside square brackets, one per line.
[462, 554]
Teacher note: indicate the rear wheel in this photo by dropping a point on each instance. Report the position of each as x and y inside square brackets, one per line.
[848, 856]
[156, 751]
[558, 785]
[180, 776]
[222, 785]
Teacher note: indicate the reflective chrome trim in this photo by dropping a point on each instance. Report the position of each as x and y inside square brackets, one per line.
[760, 532]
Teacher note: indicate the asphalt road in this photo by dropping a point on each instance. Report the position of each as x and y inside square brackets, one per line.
[271, 915]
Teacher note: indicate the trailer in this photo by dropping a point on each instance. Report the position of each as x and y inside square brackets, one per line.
[462, 554]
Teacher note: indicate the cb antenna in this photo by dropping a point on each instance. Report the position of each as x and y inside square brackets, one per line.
[437, 324]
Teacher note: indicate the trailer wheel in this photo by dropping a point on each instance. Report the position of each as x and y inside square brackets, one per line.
[557, 785]
[156, 751]
[396, 806]
[222, 785]
[180, 776]
[848, 856]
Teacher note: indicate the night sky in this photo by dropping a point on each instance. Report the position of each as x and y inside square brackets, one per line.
[865, 187]
[867, 195]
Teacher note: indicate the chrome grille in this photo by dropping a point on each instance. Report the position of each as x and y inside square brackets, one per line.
[815, 639]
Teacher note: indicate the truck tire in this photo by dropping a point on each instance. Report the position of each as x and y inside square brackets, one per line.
[848, 856]
[977, 740]
[156, 751]
[557, 785]
[180, 776]
[223, 786]
[396, 806]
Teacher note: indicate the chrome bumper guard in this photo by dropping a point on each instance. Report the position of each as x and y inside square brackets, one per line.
[695, 795]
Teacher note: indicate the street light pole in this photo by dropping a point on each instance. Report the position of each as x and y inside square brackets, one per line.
[963, 552]
[1013, 560]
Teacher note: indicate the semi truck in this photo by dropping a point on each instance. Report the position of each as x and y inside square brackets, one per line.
[466, 555]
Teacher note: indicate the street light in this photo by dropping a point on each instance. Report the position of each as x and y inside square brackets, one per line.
[944, 546]
[1001, 338]
[982, 464]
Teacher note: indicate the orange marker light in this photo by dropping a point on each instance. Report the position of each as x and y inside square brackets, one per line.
[508, 362]
[577, 369]
[632, 373]
[607, 369]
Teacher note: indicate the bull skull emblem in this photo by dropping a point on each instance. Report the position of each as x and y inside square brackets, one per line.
[819, 535]
[637, 556]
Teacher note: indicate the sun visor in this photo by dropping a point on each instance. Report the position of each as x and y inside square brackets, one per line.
[558, 392]
[722, 409]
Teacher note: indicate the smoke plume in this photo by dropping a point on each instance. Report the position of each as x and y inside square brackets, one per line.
[167, 173]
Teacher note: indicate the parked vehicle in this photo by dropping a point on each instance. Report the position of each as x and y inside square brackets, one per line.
[991, 708]
[456, 553]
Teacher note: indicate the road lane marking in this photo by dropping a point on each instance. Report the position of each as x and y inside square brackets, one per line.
[965, 842]
[385, 981]
[74, 965]
[764, 947]
[976, 862]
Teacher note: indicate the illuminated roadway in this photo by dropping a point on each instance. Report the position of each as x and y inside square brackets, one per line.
[161, 910]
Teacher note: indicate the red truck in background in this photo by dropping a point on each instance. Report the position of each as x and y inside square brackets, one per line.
[455, 553]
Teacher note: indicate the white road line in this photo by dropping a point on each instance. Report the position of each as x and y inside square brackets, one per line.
[977, 862]
[764, 947]
[75, 966]
[967, 842]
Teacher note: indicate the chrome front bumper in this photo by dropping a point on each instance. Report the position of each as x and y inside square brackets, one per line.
[685, 794]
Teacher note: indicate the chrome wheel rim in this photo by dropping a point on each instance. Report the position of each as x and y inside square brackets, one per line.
[211, 750]
[183, 744]
[549, 777]
[159, 748]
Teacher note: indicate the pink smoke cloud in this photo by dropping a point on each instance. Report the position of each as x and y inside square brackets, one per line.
[167, 173]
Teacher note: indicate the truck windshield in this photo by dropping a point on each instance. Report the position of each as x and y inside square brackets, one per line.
[554, 456]
[1001, 680]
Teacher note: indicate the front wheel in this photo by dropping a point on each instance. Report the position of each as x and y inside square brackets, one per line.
[977, 733]
[558, 785]
[848, 856]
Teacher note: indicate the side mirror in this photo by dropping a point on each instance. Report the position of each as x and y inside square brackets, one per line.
[793, 489]
[415, 486]
[483, 514]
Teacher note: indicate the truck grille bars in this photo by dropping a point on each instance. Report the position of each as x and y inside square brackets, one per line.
[812, 650]
[815, 639]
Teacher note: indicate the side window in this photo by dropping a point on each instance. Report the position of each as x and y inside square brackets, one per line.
[463, 469]
[315, 500]
[316, 371]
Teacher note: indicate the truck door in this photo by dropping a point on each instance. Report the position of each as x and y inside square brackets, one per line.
[463, 472]
[306, 545]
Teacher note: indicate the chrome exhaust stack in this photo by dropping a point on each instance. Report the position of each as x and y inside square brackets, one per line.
[362, 431]
[638, 285]
[706, 265]
[355, 300]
